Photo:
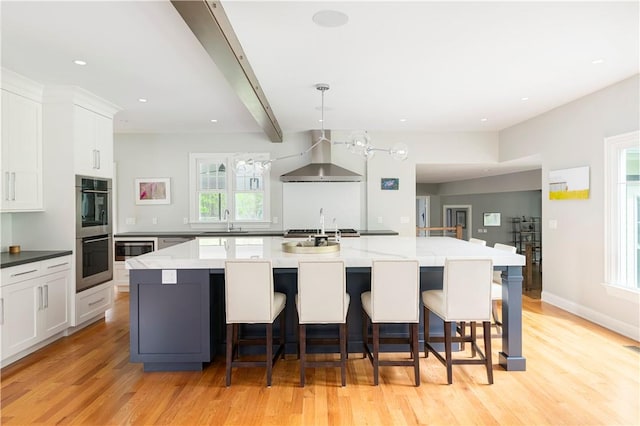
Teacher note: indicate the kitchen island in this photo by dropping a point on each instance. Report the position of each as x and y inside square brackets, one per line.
[177, 294]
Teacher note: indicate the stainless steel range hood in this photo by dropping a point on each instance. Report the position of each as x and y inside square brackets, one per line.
[321, 169]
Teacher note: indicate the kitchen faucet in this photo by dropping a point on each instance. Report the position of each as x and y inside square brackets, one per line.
[321, 221]
[227, 217]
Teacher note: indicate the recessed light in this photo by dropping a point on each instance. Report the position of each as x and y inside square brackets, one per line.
[143, 100]
[524, 99]
[80, 62]
[483, 119]
[330, 18]
[213, 120]
[402, 120]
[597, 61]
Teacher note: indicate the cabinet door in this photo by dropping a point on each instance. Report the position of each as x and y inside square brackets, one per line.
[84, 139]
[104, 145]
[21, 304]
[55, 312]
[93, 138]
[21, 153]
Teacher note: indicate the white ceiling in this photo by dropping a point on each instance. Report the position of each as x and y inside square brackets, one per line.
[442, 66]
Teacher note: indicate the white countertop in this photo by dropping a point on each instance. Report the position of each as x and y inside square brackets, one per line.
[211, 252]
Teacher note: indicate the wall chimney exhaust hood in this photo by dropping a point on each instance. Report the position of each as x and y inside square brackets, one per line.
[321, 169]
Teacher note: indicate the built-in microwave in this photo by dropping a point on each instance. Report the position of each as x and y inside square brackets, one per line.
[93, 206]
[124, 250]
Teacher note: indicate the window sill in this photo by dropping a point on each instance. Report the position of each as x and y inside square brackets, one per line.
[626, 293]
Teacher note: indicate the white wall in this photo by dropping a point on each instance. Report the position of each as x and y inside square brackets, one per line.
[523, 181]
[570, 136]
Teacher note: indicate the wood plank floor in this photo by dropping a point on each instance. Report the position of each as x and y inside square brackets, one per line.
[577, 374]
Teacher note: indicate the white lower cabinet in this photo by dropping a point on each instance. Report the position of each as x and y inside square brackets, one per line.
[34, 299]
[93, 302]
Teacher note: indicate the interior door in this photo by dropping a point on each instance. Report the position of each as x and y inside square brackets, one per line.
[422, 214]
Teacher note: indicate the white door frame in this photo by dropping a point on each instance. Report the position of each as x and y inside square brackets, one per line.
[468, 207]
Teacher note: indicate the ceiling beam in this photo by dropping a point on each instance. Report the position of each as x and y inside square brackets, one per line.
[211, 26]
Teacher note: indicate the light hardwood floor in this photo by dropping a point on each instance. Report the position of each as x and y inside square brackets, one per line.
[577, 374]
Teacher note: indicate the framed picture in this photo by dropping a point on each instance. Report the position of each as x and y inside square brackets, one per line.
[461, 218]
[491, 219]
[153, 191]
[389, 184]
[569, 184]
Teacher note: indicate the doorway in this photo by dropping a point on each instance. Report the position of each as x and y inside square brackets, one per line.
[453, 215]
[422, 214]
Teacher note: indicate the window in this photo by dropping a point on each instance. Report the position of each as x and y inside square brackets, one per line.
[622, 230]
[217, 186]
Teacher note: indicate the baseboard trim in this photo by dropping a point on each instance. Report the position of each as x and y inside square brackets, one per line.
[628, 330]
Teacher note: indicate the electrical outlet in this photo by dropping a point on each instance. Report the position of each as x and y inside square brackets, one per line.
[275, 219]
[130, 221]
[379, 219]
[553, 224]
[185, 220]
[404, 219]
[154, 220]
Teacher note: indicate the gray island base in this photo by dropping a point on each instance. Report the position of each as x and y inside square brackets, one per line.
[177, 295]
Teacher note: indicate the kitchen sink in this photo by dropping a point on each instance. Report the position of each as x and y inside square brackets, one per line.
[309, 247]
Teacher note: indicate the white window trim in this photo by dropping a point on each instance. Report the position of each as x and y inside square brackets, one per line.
[194, 217]
[612, 149]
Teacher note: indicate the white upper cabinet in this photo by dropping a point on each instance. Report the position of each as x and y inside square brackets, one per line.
[21, 177]
[93, 138]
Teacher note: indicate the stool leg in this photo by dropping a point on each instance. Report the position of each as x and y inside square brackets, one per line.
[365, 333]
[283, 325]
[426, 332]
[487, 350]
[414, 351]
[303, 350]
[343, 353]
[269, 352]
[376, 351]
[447, 350]
[229, 353]
[473, 338]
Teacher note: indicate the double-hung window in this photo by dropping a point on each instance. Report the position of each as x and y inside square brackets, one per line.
[220, 185]
[622, 230]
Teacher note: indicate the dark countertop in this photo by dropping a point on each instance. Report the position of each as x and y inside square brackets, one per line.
[8, 260]
[256, 233]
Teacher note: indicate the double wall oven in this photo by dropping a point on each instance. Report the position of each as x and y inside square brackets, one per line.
[94, 237]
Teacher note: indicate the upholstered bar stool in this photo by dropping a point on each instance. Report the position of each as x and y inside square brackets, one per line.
[465, 296]
[394, 298]
[496, 286]
[322, 299]
[251, 299]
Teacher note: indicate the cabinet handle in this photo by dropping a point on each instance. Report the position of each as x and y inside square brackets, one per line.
[96, 302]
[13, 186]
[24, 273]
[40, 299]
[58, 265]
[98, 152]
[46, 296]
[95, 161]
[1, 310]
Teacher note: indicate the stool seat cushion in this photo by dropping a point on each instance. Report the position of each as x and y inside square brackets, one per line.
[319, 319]
[434, 300]
[497, 277]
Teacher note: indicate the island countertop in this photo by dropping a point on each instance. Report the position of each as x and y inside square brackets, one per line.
[212, 252]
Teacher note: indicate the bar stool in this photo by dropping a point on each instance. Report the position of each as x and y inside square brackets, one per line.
[250, 299]
[394, 298]
[465, 296]
[496, 286]
[322, 299]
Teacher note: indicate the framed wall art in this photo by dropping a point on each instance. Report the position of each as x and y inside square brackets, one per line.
[153, 191]
[390, 184]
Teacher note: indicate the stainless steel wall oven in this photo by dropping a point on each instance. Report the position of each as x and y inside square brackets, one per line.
[94, 239]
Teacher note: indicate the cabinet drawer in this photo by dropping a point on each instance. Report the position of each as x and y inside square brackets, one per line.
[57, 264]
[121, 275]
[93, 304]
[19, 273]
